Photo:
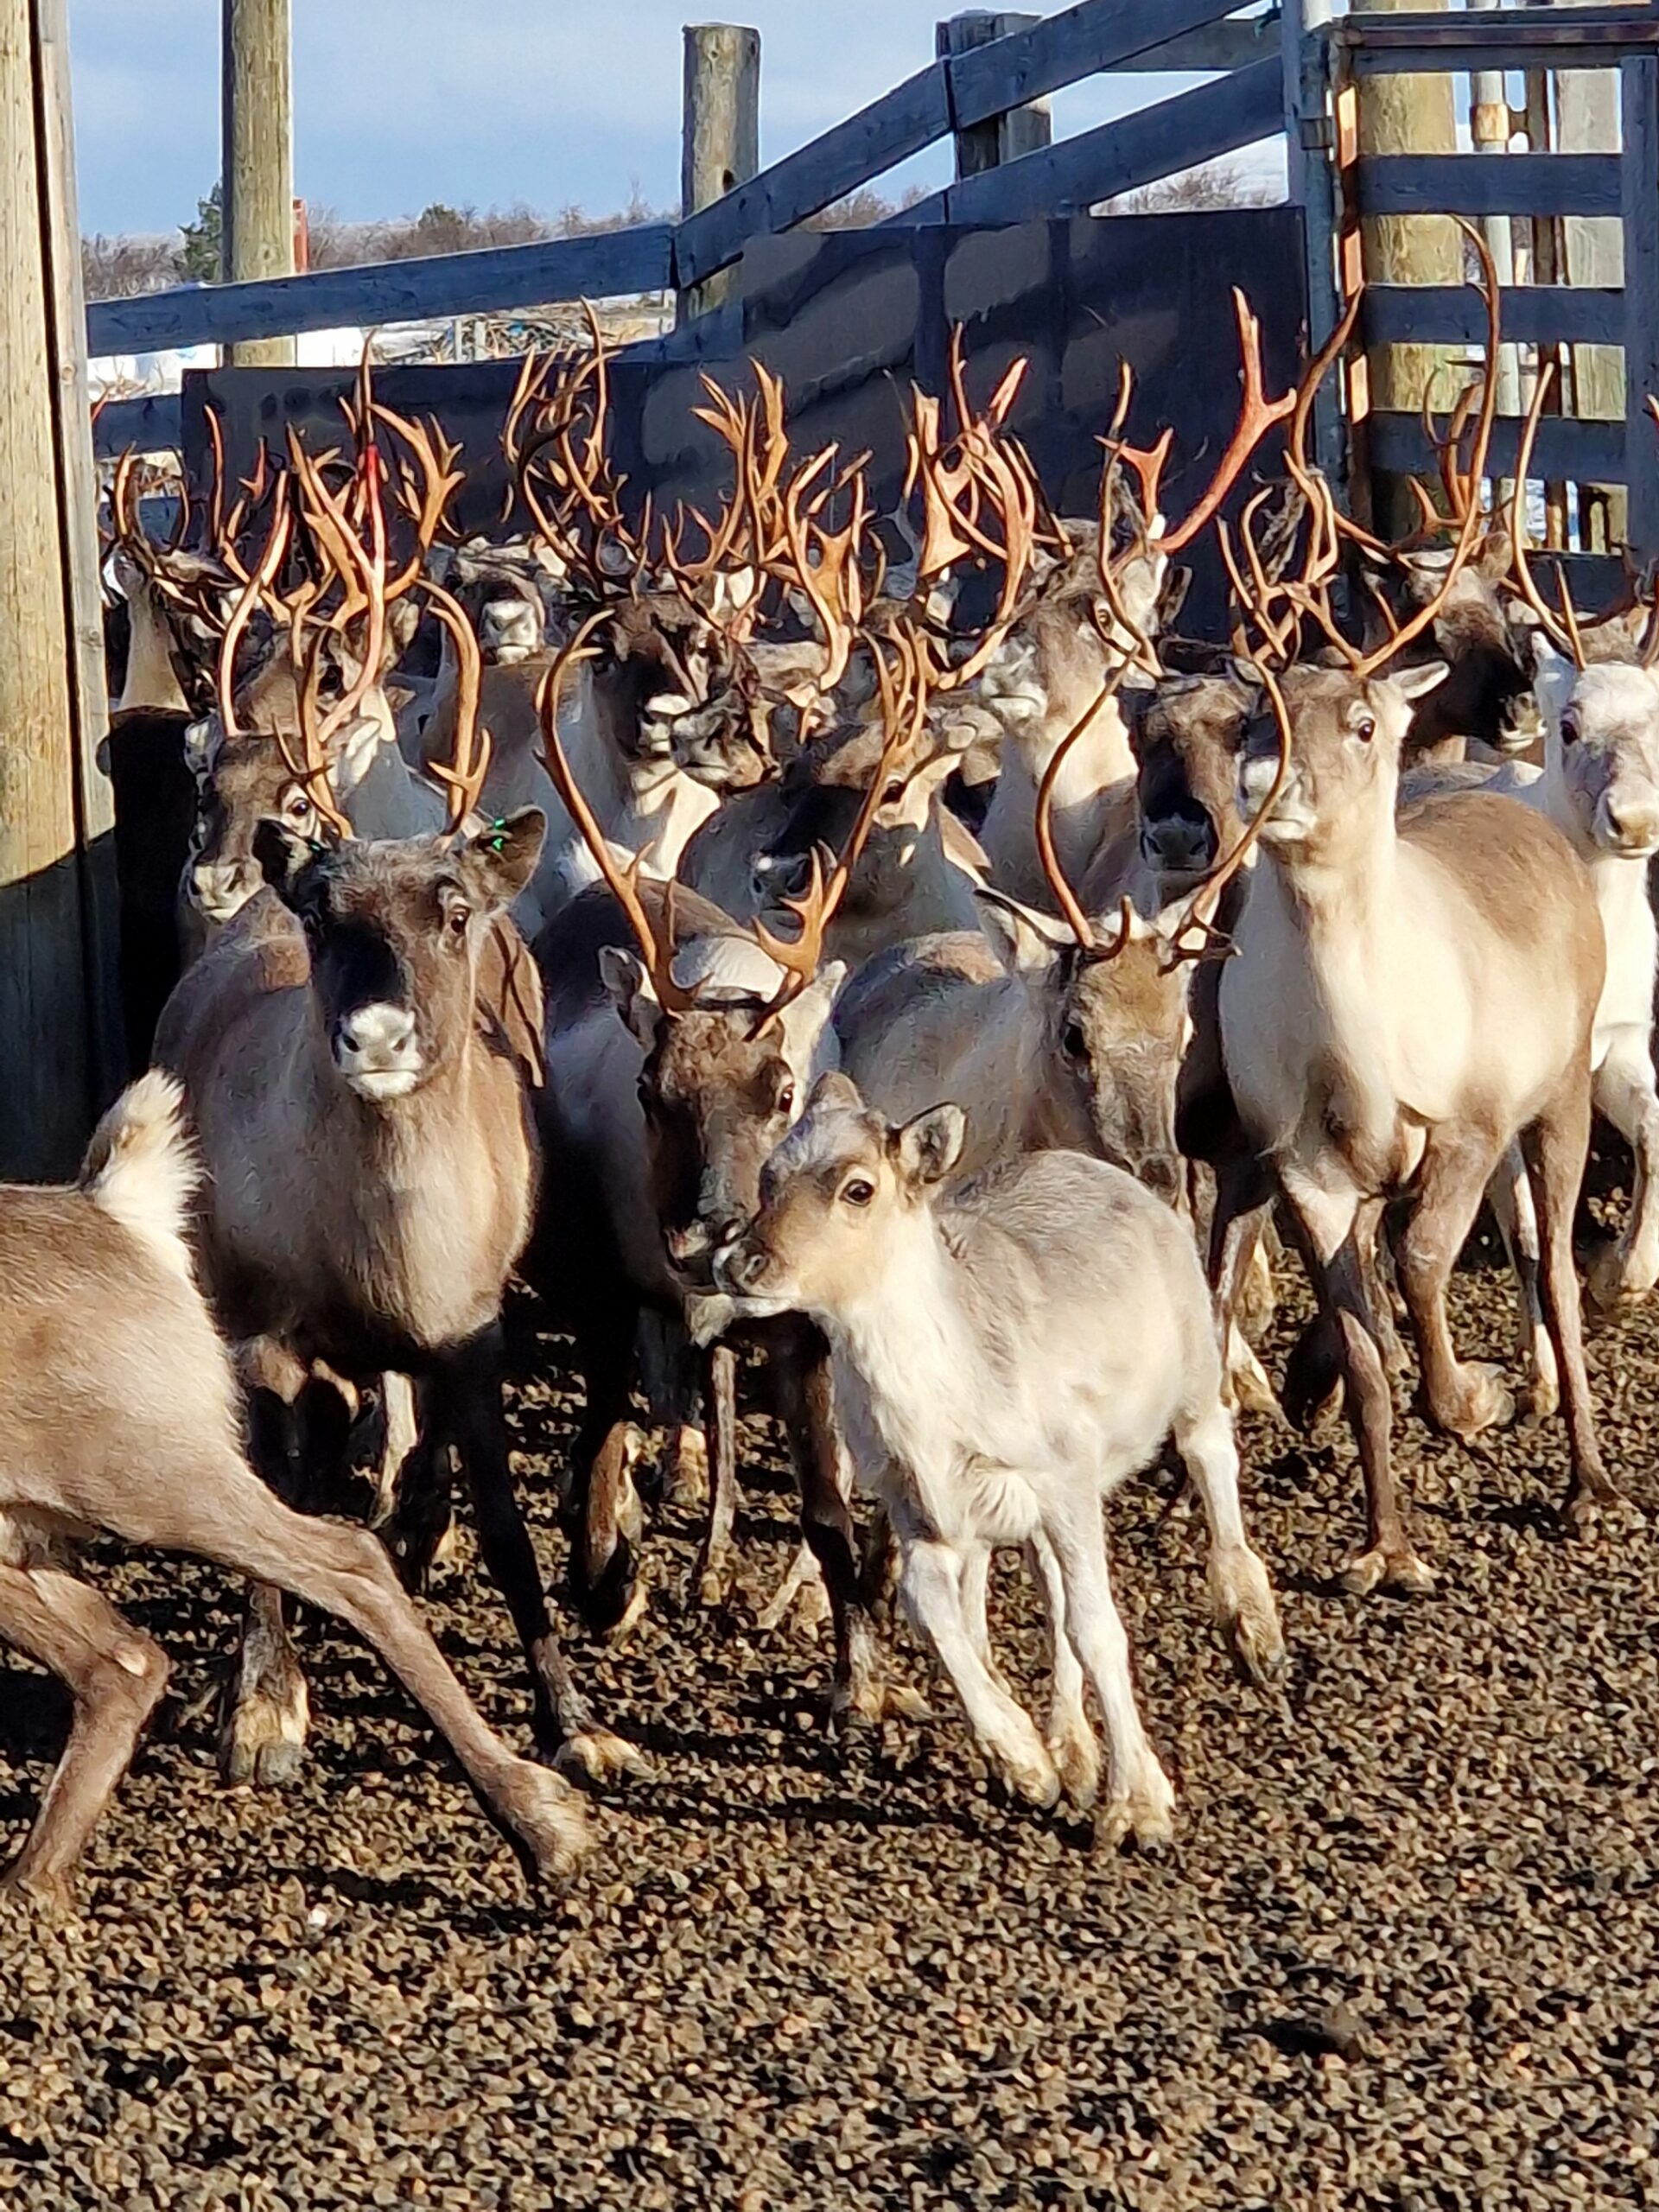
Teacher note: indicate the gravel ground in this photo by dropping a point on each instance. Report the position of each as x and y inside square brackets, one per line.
[1402, 1954]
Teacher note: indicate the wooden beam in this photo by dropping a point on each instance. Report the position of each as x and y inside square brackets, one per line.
[1473, 184]
[152, 424]
[1639, 162]
[1095, 35]
[901, 123]
[1440, 315]
[1588, 452]
[46, 1082]
[604, 266]
[1219, 46]
[999, 138]
[1116, 157]
[720, 134]
[257, 157]
[1507, 38]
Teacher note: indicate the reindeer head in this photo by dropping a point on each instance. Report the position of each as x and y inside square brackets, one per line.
[839, 1188]
[1114, 1022]
[395, 931]
[1187, 734]
[1601, 725]
[1335, 762]
[719, 1086]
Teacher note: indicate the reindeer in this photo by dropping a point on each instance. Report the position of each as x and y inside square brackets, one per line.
[1006, 1353]
[1054, 684]
[119, 1415]
[358, 1053]
[1410, 999]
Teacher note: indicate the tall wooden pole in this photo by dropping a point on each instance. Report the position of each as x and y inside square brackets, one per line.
[54, 969]
[256, 60]
[719, 146]
[1023, 129]
[1408, 114]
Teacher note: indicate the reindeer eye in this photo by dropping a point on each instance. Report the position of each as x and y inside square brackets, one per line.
[298, 807]
[1365, 729]
[1569, 729]
[894, 793]
[786, 1099]
[457, 917]
[858, 1192]
[1073, 1043]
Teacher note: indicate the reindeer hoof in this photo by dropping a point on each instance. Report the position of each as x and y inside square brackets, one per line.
[1388, 1567]
[550, 1828]
[873, 1702]
[1485, 1401]
[1143, 1814]
[685, 1470]
[1542, 1398]
[47, 1897]
[264, 1738]
[1589, 1501]
[1611, 1283]
[1243, 1599]
[602, 1756]
[712, 1581]
[1077, 1761]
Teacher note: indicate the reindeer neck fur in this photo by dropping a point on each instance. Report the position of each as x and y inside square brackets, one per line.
[377, 1227]
[1312, 1006]
[151, 679]
[937, 897]
[1094, 788]
[903, 1348]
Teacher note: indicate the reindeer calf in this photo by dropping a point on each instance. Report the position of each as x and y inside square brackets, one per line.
[1006, 1353]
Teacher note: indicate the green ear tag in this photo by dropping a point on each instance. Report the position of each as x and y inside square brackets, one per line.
[497, 843]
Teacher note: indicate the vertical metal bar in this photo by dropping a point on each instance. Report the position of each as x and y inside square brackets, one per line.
[1639, 174]
[1310, 156]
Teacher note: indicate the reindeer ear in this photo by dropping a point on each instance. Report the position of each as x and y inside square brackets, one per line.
[1019, 937]
[836, 1089]
[498, 861]
[809, 1041]
[1417, 682]
[631, 992]
[927, 1148]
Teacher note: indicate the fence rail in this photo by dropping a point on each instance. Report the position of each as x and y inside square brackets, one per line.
[952, 93]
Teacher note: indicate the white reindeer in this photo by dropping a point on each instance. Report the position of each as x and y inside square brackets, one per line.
[1006, 1353]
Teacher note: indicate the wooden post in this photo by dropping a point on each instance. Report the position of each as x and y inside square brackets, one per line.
[51, 1075]
[1407, 113]
[720, 140]
[257, 140]
[1639, 173]
[1001, 138]
[1592, 250]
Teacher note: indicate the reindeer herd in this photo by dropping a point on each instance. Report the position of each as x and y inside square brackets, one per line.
[878, 947]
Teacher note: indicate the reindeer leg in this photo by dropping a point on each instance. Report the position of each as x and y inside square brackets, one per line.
[603, 1514]
[116, 1675]
[1509, 1194]
[262, 1733]
[714, 1568]
[865, 1687]
[1625, 1093]
[1556, 1147]
[466, 1396]
[220, 1511]
[1464, 1397]
[1325, 1222]
[930, 1585]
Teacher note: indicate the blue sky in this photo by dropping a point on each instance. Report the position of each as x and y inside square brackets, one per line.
[399, 102]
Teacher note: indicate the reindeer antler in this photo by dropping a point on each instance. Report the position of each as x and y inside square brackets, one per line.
[624, 882]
